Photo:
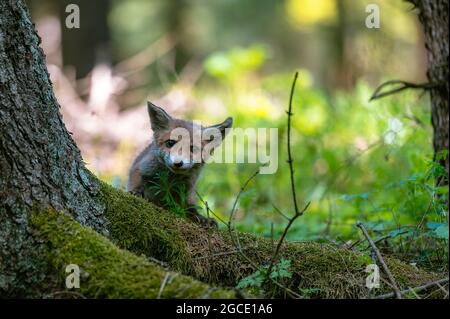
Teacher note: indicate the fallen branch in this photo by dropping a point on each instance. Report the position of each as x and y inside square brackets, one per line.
[415, 289]
[391, 278]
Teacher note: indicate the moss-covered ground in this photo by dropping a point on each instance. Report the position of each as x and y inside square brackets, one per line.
[322, 270]
[107, 271]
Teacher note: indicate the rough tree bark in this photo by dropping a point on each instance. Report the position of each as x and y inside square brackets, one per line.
[41, 169]
[53, 210]
[433, 14]
[40, 164]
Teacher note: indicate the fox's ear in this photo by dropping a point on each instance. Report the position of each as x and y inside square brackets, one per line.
[222, 127]
[159, 119]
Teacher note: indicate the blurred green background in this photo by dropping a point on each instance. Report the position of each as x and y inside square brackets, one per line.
[354, 159]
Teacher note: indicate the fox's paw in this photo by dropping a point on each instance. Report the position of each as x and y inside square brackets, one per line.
[202, 220]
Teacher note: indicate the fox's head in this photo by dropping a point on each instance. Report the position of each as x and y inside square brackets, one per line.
[184, 145]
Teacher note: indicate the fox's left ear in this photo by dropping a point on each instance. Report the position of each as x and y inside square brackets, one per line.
[222, 127]
[159, 119]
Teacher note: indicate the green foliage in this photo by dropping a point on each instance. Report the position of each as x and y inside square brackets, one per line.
[279, 271]
[230, 65]
[309, 292]
[354, 160]
[171, 193]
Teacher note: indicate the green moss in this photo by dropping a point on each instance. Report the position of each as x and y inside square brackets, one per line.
[106, 270]
[210, 255]
[143, 228]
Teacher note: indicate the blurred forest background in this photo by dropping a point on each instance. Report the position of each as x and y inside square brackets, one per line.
[355, 159]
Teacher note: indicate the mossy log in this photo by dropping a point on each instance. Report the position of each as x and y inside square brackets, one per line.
[210, 255]
[106, 271]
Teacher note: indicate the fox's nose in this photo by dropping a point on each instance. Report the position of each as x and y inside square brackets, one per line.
[178, 164]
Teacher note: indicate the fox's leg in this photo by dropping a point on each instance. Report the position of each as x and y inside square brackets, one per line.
[194, 215]
[135, 183]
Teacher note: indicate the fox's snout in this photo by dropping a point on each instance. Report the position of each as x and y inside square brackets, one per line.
[178, 163]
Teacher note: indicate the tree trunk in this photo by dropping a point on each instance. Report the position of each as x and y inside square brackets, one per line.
[40, 164]
[433, 15]
[41, 169]
[50, 205]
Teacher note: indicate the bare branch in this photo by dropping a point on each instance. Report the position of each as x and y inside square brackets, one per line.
[400, 86]
[397, 292]
[290, 159]
[286, 230]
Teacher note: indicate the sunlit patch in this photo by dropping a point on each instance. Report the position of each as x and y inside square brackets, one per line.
[303, 13]
[311, 118]
[256, 104]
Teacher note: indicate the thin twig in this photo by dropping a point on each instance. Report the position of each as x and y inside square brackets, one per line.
[414, 293]
[209, 229]
[397, 292]
[443, 290]
[157, 261]
[231, 225]
[209, 210]
[290, 160]
[233, 209]
[271, 235]
[289, 291]
[415, 289]
[163, 285]
[286, 229]
[70, 293]
[237, 244]
[279, 212]
[222, 253]
[403, 86]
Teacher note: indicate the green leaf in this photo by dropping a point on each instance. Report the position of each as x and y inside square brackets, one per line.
[442, 231]
[434, 225]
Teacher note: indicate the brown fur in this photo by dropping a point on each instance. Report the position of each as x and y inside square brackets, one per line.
[156, 158]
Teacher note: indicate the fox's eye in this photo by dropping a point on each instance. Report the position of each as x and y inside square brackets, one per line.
[170, 143]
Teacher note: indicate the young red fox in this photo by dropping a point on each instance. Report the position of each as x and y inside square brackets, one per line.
[165, 173]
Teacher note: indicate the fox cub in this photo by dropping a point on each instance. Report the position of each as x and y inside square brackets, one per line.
[166, 172]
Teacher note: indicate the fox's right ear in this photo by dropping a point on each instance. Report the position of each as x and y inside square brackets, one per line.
[159, 119]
